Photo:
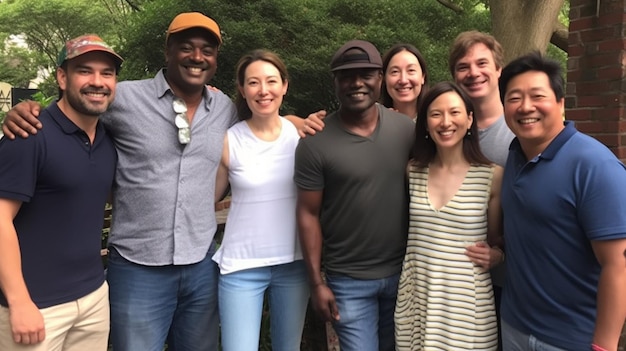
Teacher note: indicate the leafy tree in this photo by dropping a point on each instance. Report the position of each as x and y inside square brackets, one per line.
[523, 25]
[18, 65]
[305, 33]
[46, 25]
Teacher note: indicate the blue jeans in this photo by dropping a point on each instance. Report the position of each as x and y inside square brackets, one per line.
[366, 310]
[515, 340]
[241, 305]
[148, 303]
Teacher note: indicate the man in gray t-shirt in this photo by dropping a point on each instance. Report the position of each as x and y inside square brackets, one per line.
[475, 62]
[352, 204]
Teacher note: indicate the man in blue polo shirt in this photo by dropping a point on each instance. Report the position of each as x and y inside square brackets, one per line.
[564, 204]
[53, 187]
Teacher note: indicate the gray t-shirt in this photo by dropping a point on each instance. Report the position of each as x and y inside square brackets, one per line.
[163, 197]
[495, 141]
[364, 212]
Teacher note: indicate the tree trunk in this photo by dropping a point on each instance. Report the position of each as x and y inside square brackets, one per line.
[522, 26]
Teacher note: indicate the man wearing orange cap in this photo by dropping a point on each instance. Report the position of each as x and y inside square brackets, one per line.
[53, 187]
[168, 132]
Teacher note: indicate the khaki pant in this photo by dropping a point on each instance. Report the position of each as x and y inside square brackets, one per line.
[80, 325]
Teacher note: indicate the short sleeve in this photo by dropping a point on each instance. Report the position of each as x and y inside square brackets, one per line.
[19, 166]
[308, 173]
[602, 206]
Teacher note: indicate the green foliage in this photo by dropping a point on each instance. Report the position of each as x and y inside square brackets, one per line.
[305, 33]
[18, 65]
[46, 25]
[42, 99]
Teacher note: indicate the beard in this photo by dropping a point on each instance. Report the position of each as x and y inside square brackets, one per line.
[88, 108]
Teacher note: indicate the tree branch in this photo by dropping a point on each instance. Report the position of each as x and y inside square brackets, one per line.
[452, 6]
[559, 36]
[133, 5]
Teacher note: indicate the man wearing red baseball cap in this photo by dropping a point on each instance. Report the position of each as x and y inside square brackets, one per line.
[53, 187]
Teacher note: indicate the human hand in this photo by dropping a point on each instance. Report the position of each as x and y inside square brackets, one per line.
[324, 304]
[212, 88]
[27, 325]
[22, 120]
[482, 255]
[313, 123]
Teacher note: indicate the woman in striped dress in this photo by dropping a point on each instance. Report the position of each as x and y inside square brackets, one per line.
[445, 297]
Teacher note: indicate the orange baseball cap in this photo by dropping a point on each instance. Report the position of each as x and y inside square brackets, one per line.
[188, 20]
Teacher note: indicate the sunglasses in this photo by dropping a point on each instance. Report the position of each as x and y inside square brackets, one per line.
[181, 121]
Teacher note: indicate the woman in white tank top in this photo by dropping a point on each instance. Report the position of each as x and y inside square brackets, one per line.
[260, 251]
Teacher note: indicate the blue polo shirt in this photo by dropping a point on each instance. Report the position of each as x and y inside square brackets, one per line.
[554, 206]
[63, 181]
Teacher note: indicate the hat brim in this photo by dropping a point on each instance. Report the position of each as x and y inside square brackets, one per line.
[356, 65]
[184, 28]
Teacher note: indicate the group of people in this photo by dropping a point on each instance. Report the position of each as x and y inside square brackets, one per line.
[389, 216]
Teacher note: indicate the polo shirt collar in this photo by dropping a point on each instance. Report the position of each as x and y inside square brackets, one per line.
[66, 125]
[162, 88]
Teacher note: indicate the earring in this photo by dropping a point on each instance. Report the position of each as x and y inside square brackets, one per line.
[426, 136]
[469, 133]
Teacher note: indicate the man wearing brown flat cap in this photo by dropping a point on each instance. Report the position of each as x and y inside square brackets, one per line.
[352, 204]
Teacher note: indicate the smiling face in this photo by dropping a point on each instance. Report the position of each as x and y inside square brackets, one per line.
[532, 110]
[404, 78]
[263, 88]
[88, 83]
[191, 60]
[476, 72]
[448, 121]
[358, 89]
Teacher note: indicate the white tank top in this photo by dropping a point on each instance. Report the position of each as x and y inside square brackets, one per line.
[261, 226]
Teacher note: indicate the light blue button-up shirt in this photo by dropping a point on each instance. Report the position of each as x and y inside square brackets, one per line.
[163, 206]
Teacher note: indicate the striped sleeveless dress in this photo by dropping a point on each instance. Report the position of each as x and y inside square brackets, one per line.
[445, 302]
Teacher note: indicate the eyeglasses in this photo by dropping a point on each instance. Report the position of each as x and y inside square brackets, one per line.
[181, 121]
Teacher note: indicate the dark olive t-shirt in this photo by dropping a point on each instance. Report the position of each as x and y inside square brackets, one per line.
[364, 213]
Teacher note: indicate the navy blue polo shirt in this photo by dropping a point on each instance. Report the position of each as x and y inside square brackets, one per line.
[63, 181]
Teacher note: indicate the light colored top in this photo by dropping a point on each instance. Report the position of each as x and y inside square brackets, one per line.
[163, 205]
[261, 226]
[445, 302]
[495, 140]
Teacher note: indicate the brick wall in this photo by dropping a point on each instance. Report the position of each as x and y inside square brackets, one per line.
[596, 79]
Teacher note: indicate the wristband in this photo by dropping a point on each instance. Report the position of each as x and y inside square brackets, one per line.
[595, 347]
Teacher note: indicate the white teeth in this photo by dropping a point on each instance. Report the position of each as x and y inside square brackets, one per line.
[95, 94]
[194, 69]
[357, 95]
[528, 120]
[446, 133]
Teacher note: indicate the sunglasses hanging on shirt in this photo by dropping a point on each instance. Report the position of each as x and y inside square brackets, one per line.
[181, 121]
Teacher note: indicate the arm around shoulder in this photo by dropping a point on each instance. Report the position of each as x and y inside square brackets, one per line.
[22, 120]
